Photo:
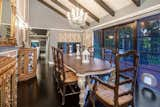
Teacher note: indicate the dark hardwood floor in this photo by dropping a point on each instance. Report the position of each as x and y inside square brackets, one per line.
[41, 92]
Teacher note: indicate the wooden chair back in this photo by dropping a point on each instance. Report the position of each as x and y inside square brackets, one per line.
[108, 54]
[55, 59]
[128, 72]
[60, 73]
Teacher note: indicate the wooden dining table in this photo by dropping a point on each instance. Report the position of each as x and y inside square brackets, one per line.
[84, 71]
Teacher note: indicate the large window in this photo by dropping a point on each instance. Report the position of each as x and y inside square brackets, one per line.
[118, 38]
[125, 35]
[149, 51]
[109, 38]
[149, 41]
[98, 43]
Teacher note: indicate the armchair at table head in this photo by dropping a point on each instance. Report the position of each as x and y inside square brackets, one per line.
[120, 92]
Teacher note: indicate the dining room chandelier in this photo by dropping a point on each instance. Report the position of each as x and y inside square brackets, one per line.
[77, 17]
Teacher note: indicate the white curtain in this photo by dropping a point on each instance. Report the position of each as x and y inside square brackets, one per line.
[69, 37]
[87, 38]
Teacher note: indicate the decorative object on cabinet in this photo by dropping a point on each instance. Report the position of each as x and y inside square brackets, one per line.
[27, 63]
[9, 39]
[8, 84]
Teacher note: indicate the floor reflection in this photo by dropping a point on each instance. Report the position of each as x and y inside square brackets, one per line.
[41, 92]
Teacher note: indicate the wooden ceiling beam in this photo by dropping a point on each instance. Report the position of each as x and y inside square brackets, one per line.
[74, 2]
[137, 2]
[65, 8]
[105, 6]
[60, 5]
[52, 8]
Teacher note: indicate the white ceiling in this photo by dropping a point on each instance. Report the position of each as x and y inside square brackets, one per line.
[125, 10]
[93, 7]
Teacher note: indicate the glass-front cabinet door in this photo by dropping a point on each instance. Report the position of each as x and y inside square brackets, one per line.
[109, 38]
[125, 35]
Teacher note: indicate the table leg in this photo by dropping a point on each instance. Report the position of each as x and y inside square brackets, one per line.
[81, 84]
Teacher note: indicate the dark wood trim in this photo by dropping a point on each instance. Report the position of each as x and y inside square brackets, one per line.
[74, 2]
[137, 2]
[102, 38]
[135, 35]
[118, 25]
[60, 5]
[87, 23]
[52, 8]
[105, 7]
[116, 39]
[65, 8]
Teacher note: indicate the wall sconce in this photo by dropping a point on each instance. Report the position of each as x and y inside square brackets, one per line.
[110, 36]
[127, 36]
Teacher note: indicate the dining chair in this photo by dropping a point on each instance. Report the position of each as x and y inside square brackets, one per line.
[55, 61]
[66, 79]
[120, 92]
[108, 54]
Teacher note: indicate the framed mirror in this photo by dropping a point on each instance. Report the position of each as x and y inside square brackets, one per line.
[7, 22]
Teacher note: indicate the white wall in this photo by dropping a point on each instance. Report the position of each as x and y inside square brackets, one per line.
[43, 17]
[6, 12]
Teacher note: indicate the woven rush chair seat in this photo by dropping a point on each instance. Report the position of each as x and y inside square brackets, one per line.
[69, 77]
[107, 95]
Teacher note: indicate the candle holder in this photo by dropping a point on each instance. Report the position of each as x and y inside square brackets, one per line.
[70, 50]
[78, 51]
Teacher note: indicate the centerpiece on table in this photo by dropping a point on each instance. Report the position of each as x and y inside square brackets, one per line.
[85, 56]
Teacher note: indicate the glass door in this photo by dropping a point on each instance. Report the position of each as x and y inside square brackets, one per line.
[125, 35]
[149, 51]
[109, 38]
[98, 43]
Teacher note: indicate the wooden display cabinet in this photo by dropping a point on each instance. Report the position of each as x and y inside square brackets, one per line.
[27, 63]
[8, 84]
